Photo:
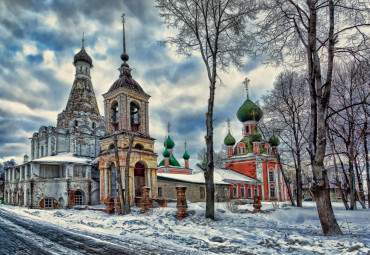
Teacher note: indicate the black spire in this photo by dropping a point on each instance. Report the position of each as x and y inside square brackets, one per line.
[125, 69]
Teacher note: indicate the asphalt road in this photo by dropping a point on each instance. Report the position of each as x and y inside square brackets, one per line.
[21, 235]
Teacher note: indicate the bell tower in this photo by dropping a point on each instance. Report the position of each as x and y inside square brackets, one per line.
[126, 113]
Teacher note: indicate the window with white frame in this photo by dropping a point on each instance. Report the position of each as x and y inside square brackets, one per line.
[271, 176]
[48, 202]
[249, 192]
[235, 191]
[242, 191]
[256, 191]
[272, 191]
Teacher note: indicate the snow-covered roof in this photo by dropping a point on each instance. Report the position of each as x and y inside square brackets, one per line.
[232, 176]
[193, 178]
[63, 158]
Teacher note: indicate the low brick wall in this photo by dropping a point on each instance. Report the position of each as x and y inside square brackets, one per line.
[193, 191]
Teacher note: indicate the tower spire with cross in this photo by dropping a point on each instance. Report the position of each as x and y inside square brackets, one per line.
[246, 84]
[168, 128]
[228, 123]
[83, 40]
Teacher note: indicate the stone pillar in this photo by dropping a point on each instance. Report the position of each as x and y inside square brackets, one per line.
[182, 205]
[257, 205]
[145, 203]
[106, 194]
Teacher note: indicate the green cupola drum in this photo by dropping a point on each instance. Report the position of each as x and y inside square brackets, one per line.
[229, 140]
[186, 157]
[249, 113]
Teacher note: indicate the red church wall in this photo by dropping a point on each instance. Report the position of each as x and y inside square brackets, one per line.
[265, 180]
[244, 167]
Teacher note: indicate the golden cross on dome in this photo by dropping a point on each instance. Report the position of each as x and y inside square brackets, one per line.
[168, 128]
[185, 144]
[246, 83]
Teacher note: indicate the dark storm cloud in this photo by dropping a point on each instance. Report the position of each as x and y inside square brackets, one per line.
[28, 78]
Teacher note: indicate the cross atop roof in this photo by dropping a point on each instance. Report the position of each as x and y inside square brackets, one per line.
[246, 83]
[228, 120]
[83, 40]
[168, 128]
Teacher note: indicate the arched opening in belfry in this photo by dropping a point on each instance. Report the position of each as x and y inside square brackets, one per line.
[42, 151]
[135, 116]
[114, 110]
[139, 146]
[139, 177]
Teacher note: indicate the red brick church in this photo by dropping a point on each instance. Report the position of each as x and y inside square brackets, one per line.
[254, 158]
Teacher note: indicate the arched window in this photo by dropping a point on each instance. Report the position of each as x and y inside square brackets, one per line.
[42, 151]
[247, 129]
[242, 191]
[249, 191]
[135, 116]
[272, 191]
[235, 191]
[93, 125]
[271, 176]
[114, 109]
[76, 123]
[139, 146]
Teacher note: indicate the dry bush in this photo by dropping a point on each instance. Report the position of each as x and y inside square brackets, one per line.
[231, 206]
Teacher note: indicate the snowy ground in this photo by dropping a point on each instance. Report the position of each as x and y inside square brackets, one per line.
[276, 231]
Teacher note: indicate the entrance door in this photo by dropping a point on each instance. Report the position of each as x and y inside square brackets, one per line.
[139, 174]
[79, 198]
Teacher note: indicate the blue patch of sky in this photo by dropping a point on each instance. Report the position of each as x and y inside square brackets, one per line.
[34, 59]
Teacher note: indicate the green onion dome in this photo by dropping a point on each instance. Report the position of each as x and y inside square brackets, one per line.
[169, 144]
[173, 161]
[255, 137]
[249, 111]
[166, 153]
[186, 155]
[274, 141]
[229, 140]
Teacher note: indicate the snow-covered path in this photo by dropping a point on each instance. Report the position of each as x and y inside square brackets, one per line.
[286, 230]
[20, 235]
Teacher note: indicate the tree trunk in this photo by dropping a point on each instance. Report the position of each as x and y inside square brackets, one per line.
[286, 180]
[360, 192]
[337, 181]
[127, 174]
[320, 96]
[208, 174]
[328, 221]
[299, 181]
[342, 196]
[367, 163]
[119, 176]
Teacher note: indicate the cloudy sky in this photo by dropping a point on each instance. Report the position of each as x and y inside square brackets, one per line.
[38, 40]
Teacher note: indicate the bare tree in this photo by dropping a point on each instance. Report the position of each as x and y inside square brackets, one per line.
[346, 121]
[285, 107]
[315, 32]
[123, 199]
[216, 30]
